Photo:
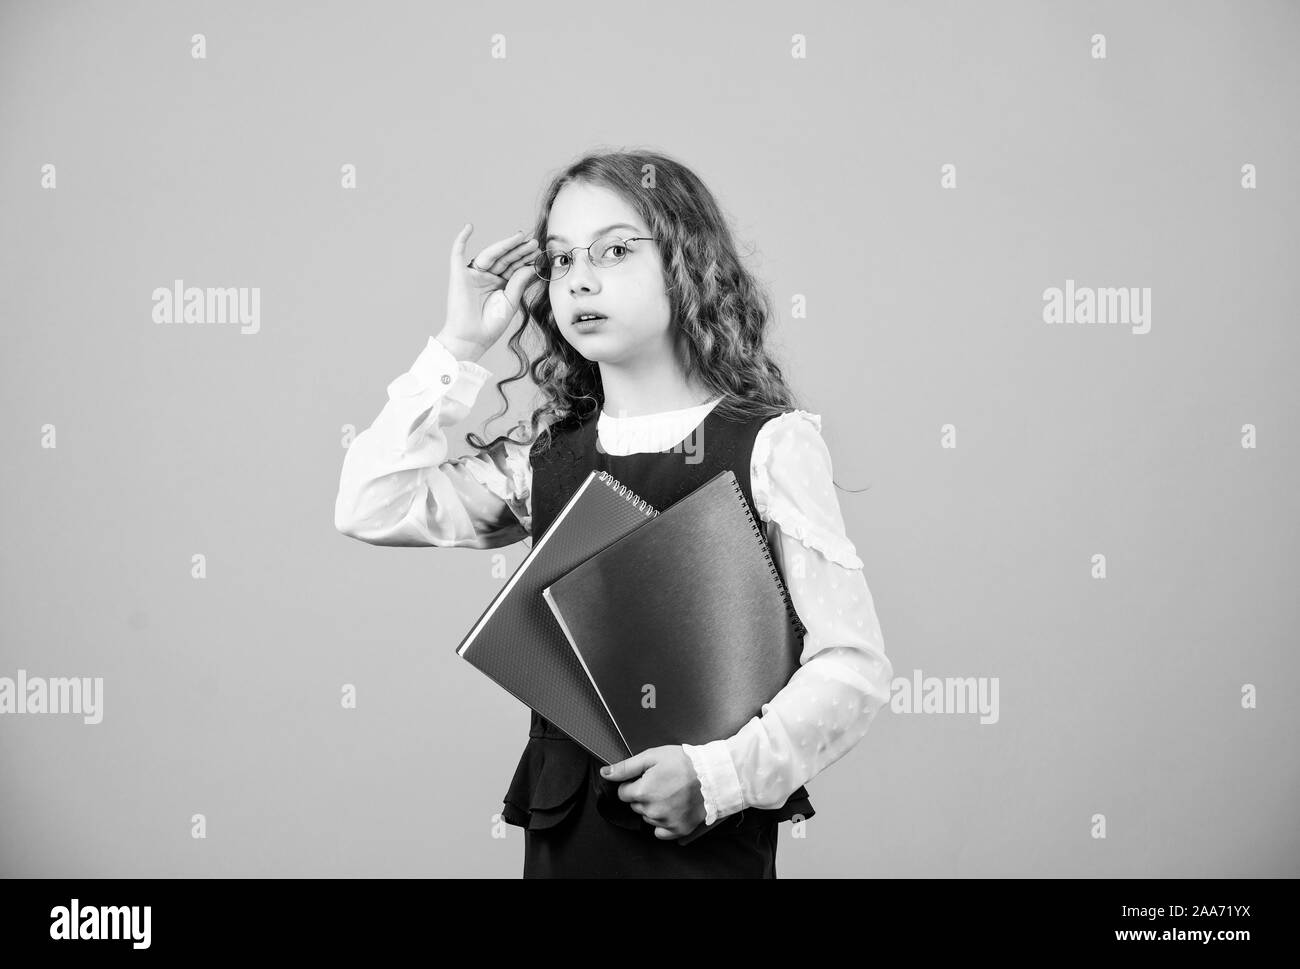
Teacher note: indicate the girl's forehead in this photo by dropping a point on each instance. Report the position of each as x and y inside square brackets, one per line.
[580, 210]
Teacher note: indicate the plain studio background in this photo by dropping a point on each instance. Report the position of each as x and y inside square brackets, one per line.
[1119, 696]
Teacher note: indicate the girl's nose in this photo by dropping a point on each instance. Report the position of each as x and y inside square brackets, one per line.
[581, 275]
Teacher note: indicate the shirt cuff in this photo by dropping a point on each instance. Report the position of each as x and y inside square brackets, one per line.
[437, 368]
[719, 782]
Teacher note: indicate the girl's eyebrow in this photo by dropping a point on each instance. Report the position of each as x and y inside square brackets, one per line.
[599, 232]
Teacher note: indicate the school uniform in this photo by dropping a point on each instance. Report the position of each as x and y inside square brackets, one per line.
[575, 825]
[399, 487]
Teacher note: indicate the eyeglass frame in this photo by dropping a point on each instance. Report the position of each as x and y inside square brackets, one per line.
[587, 249]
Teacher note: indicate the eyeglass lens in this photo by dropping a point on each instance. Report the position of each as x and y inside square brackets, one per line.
[605, 252]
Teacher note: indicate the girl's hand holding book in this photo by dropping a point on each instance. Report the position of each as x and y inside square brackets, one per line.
[661, 785]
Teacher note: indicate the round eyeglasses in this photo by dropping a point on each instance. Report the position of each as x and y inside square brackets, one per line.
[603, 253]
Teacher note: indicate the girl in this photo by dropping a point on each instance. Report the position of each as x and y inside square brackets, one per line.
[651, 366]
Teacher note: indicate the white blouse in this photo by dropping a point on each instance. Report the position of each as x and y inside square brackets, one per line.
[399, 488]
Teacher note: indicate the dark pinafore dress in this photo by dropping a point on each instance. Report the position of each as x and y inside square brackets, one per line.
[574, 823]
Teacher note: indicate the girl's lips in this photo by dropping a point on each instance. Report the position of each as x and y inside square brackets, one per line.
[588, 324]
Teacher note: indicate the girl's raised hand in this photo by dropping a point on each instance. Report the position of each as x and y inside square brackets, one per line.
[483, 301]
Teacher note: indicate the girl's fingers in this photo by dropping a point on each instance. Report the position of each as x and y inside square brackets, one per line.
[504, 263]
[519, 279]
[458, 246]
[527, 248]
[489, 257]
[525, 257]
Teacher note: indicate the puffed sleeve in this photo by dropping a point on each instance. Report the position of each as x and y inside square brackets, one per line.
[398, 487]
[844, 675]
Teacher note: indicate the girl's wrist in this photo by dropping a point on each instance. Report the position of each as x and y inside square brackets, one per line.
[459, 348]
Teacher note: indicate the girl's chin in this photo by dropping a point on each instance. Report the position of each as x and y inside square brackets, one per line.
[584, 340]
[595, 350]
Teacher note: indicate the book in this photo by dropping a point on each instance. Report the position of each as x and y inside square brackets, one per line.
[683, 626]
[517, 642]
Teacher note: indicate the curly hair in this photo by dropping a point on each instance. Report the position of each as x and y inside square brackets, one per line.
[720, 312]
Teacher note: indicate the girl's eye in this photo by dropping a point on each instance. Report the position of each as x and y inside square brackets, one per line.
[619, 254]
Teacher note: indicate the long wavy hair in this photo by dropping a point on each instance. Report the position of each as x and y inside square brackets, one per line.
[720, 312]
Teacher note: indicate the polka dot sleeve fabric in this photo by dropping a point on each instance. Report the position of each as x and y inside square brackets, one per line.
[790, 476]
[398, 487]
[844, 675]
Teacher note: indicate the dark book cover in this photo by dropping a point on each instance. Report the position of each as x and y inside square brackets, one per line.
[517, 641]
[684, 626]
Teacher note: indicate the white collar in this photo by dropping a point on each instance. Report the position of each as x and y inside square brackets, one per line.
[650, 432]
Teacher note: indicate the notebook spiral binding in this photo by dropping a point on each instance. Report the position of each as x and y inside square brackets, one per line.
[628, 494]
[771, 565]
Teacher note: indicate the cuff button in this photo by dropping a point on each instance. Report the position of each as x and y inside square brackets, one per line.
[446, 378]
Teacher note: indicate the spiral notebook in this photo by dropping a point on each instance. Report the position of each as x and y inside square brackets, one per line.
[684, 626]
[518, 643]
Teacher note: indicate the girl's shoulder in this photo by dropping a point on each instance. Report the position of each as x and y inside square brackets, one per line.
[791, 477]
[785, 434]
[793, 418]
